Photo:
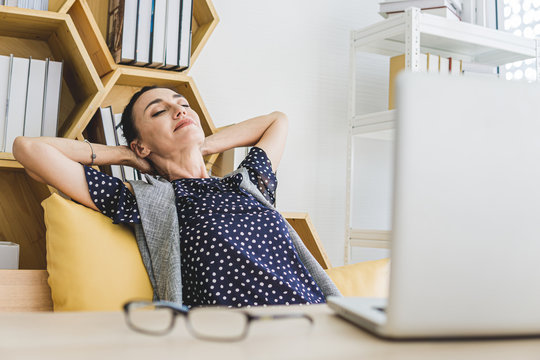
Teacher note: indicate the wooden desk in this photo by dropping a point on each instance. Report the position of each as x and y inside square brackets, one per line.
[105, 335]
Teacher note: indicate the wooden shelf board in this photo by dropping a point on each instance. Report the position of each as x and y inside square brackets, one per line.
[27, 23]
[59, 5]
[25, 290]
[7, 161]
[205, 20]
[21, 216]
[89, 29]
[83, 112]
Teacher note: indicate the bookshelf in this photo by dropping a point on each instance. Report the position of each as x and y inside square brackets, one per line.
[412, 33]
[73, 31]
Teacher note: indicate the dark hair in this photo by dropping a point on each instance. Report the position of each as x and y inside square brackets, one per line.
[128, 124]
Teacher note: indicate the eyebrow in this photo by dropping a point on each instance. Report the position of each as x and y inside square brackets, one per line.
[158, 100]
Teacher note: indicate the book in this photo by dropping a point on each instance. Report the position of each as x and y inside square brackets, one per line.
[476, 69]
[395, 6]
[184, 51]
[51, 100]
[101, 130]
[5, 62]
[158, 33]
[455, 66]
[432, 63]
[444, 66]
[18, 79]
[397, 64]
[122, 30]
[444, 11]
[129, 172]
[172, 34]
[35, 96]
[144, 23]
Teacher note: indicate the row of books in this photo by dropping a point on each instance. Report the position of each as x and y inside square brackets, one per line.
[29, 98]
[450, 9]
[27, 4]
[428, 63]
[105, 129]
[153, 33]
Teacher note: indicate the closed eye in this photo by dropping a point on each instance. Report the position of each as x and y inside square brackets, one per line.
[158, 113]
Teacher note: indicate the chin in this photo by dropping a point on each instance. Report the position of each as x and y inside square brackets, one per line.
[193, 135]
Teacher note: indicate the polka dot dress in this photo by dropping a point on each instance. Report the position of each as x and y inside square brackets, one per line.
[235, 251]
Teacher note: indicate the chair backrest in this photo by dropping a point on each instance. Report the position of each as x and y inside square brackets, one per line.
[305, 229]
[28, 290]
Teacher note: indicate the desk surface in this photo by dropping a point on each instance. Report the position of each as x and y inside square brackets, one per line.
[104, 335]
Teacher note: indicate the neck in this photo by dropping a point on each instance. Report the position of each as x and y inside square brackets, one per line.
[181, 165]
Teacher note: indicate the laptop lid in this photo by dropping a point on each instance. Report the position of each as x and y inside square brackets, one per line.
[466, 215]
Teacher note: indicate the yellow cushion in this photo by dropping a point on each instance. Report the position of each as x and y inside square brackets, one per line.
[368, 278]
[92, 263]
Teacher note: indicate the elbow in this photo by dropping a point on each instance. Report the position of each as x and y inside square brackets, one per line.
[19, 146]
[281, 118]
[23, 149]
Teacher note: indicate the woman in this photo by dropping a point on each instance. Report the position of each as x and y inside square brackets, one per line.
[235, 251]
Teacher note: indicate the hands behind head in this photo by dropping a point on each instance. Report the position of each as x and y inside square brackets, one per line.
[143, 165]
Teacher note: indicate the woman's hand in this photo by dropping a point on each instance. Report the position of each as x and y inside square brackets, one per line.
[143, 165]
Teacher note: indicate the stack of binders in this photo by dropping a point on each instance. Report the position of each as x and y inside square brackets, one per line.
[105, 129]
[27, 4]
[29, 98]
[152, 33]
[430, 63]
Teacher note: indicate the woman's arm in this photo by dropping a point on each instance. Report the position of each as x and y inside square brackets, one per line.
[269, 132]
[55, 161]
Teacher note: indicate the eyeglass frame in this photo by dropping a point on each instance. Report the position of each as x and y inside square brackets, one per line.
[178, 309]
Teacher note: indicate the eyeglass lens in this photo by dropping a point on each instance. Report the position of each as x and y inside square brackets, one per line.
[150, 318]
[217, 323]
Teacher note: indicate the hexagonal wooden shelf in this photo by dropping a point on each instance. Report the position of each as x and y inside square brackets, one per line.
[91, 19]
[41, 34]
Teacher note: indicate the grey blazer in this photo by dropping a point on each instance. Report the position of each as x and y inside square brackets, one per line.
[158, 238]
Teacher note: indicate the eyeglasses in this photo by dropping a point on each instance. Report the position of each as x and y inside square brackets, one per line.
[208, 323]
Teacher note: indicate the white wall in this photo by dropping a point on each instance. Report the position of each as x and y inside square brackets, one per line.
[291, 56]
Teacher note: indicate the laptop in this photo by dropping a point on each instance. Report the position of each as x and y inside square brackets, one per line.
[465, 247]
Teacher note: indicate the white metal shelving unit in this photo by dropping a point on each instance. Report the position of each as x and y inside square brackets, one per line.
[413, 33]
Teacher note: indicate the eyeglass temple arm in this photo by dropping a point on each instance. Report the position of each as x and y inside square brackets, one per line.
[179, 308]
[280, 316]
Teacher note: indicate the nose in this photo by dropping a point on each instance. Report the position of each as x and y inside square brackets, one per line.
[179, 111]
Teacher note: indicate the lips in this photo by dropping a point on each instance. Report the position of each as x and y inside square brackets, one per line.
[183, 123]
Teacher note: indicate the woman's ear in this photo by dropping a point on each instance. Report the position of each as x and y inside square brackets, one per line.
[139, 148]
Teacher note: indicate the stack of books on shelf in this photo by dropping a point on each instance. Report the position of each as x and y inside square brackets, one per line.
[27, 4]
[152, 33]
[428, 63]
[105, 129]
[450, 9]
[29, 98]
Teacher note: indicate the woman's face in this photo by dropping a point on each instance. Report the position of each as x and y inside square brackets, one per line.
[166, 123]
